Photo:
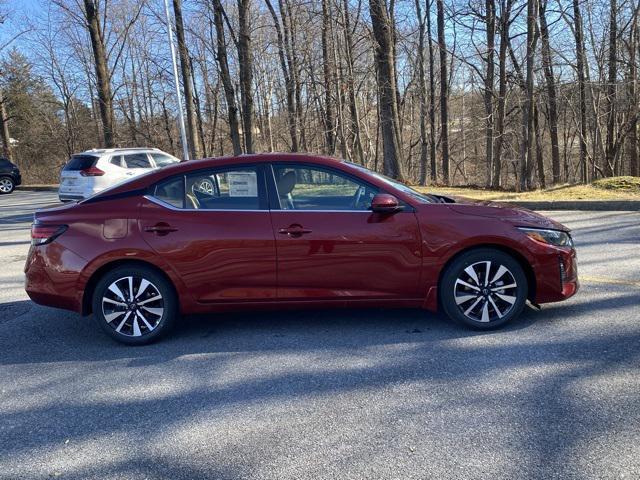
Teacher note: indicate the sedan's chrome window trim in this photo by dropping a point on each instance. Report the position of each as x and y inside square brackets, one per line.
[164, 204]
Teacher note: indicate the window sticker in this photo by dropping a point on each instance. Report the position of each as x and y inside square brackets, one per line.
[243, 184]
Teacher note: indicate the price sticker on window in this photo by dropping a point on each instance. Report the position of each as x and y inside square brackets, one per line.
[243, 184]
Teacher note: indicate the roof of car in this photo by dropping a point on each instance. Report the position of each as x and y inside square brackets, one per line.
[271, 157]
[119, 150]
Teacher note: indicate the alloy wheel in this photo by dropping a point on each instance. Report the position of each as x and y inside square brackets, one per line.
[6, 185]
[485, 291]
[132, 306]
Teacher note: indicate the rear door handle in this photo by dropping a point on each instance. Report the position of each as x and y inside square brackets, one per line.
[161, 229]
[294, 231]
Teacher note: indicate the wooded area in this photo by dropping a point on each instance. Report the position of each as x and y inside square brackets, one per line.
[501, 93]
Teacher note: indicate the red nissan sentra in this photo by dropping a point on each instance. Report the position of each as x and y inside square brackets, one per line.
[274, 230]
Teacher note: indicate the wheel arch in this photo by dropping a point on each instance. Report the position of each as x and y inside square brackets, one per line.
[524, 263]
[103, 269]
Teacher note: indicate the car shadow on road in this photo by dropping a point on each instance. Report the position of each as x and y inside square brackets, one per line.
[230, 364]
[65, 336]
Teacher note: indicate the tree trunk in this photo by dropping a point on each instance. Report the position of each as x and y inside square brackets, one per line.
[285, 65]
[634, 168]
[489, 86]
[193, 137]
[353, 105]
[432, 100]
[227, 83]
[102, 71]
[610, 148]
[4, 129]
[328, 80]
[444, 93]
[505, 14]
[551, 92]
[383, 34]
[580, 59]
[422, 89]
[245, 63]
[527, 149]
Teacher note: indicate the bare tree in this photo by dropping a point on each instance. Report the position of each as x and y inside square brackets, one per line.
[193, 137]
[103, 77]
[444, 94]
[385, 64]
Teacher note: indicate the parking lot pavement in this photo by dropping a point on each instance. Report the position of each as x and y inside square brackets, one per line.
[341, 394]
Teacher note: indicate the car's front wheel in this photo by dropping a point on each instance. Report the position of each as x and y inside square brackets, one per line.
[134, 304]
[484, 288]
[7, 185]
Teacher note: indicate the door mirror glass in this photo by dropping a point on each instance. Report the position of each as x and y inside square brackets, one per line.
[385, 203]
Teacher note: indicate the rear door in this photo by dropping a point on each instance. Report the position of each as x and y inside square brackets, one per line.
[137, 163]
[72, 182]
[213, 227]
[331, 246]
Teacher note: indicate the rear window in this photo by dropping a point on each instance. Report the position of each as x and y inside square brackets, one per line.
[80, 162]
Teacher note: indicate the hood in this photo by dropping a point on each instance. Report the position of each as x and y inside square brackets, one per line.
[518, 216]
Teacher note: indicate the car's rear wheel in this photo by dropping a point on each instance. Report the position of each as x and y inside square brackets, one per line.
[134, 304]
[6, 185]
[484, 288]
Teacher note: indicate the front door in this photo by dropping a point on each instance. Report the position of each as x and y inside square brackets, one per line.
[330, 246]
[213, 228]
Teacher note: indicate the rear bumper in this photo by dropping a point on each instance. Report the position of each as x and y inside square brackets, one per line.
[54, 285]
[17, 179]
[70, 198]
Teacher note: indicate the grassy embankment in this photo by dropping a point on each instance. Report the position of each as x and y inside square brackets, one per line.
[616, 188]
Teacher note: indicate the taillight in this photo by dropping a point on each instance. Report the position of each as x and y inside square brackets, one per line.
[91, 172]
[43, 234]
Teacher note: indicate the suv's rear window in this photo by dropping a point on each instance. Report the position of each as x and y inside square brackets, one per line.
[80, 162]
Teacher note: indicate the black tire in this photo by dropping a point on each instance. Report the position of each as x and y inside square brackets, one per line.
[463, 299]
[143, 319]
[7, 185]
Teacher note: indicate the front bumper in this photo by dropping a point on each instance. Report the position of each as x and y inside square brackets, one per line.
[556, 276]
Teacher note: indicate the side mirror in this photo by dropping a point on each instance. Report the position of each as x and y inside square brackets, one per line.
[385, 203]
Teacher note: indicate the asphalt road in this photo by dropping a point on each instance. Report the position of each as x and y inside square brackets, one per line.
[341, 394]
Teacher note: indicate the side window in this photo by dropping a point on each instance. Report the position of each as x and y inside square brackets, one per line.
[233, 189]
[171, 192]
[311, 188]
[137, 160]
[117, 161]
[162, 160]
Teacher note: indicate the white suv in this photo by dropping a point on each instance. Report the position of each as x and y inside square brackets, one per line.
[92, 171]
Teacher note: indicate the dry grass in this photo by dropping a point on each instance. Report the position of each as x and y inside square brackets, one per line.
[616, 188]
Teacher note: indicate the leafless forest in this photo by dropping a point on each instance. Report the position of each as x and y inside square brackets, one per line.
[501, 93]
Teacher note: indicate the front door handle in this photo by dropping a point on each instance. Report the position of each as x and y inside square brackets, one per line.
[161, 229]
[294, 230]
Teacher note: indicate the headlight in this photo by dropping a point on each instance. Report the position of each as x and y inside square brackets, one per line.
[552, 237]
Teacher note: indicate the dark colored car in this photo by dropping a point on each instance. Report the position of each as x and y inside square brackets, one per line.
[9, 176]
[275, 230]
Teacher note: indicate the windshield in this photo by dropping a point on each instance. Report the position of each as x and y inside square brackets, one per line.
[416, 195]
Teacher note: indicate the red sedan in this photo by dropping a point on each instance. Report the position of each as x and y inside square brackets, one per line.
[275, 230]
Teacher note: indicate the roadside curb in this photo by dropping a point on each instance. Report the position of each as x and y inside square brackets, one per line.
[594, 205]
[38, 188]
